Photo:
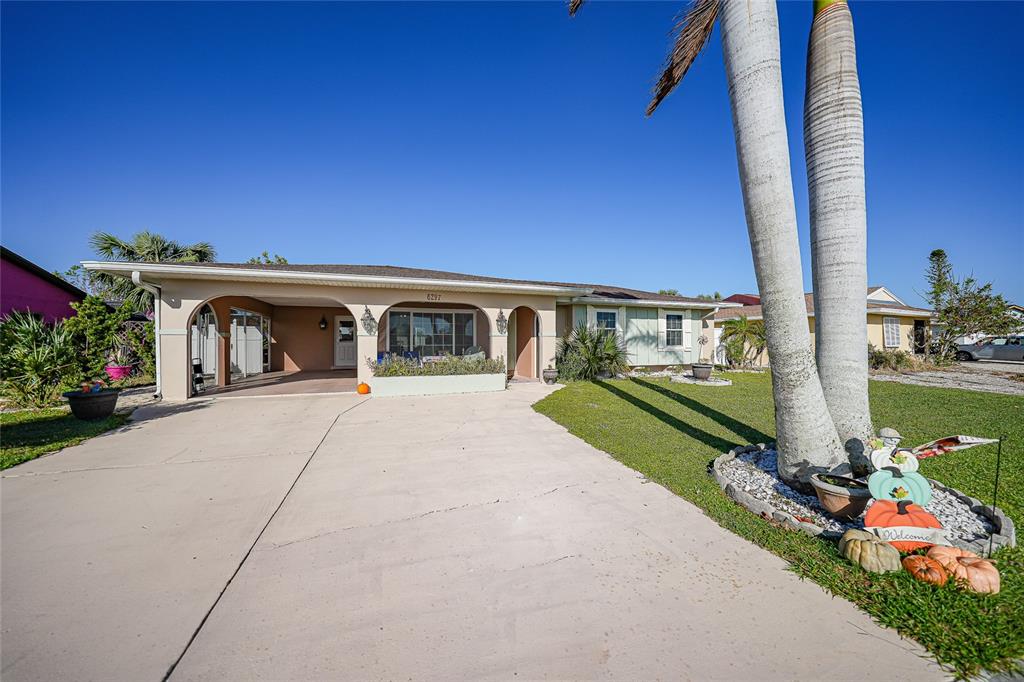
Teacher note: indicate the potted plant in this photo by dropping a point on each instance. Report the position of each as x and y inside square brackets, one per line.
[93, 400]
[841, 496]
[550, 375]
[119, 361]
[702, 370]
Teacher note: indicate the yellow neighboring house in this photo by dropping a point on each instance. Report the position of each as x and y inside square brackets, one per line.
[892, 324]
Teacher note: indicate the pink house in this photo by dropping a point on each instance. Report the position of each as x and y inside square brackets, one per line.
[26, 286]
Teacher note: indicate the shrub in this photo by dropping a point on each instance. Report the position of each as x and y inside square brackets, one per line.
[95, 329]
[141, 339]
[894, 360]
[449, 365]
[37, 360]
[587, 353]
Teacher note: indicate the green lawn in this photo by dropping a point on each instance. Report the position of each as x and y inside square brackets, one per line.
[671, 432]
[28, 434]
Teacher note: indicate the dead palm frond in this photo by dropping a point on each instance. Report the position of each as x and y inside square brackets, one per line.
[693, 28]
[574, 7]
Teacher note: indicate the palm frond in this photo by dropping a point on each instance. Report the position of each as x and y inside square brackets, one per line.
[109, 247]
[693, 28]
[574, 6]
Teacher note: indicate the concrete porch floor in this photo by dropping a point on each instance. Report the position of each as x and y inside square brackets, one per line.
[287, 383]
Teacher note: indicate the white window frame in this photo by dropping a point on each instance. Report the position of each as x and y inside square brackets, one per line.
[682, 330]
[613, 311]
[469, 311]
[687, 316]
[887, 322]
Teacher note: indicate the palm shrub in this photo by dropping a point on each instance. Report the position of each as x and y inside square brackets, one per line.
[37, 360]
[744, 340]
[587, 353]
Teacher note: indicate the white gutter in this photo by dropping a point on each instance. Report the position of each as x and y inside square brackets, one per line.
[157, 299]
[200, 272]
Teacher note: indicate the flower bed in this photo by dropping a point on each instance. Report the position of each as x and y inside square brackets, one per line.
[748, 475]
[452, 374]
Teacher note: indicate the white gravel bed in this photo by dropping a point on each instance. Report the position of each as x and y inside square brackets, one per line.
[755, 474]
[688, 379]
[985, 382]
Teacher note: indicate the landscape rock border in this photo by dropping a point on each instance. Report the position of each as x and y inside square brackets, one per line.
[1004, 535]
[688, 379]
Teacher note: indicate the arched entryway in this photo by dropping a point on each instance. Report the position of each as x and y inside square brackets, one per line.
[524, 346]
[203, 347]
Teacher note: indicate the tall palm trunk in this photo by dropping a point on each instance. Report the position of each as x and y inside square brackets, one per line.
[834, 142]
[807, 438]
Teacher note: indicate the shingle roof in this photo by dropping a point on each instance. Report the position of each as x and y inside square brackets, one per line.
[601, 290]
[755, 310]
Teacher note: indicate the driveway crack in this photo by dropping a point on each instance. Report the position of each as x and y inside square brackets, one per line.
[195, 634]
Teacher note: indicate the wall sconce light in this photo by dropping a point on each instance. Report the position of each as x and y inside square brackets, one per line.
[502, 322]
[369, 324]
[323, 323]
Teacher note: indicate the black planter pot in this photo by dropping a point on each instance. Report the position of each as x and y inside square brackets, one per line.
[550, 376]
[702, 371]
[93, 406]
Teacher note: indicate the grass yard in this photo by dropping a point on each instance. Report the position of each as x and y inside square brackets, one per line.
[671, 432]
[28, 434]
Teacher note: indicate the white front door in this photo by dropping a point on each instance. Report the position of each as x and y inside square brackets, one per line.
[344, 341]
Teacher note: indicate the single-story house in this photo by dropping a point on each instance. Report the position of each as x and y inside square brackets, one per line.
[234, 321]
[892, 324]
[26, 286]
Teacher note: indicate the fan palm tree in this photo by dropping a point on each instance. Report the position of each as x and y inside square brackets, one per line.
[807, 437]
[834, 147]
[144, 247]
[747, 334]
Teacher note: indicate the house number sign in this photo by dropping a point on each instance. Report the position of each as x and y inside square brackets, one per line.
[433, 297]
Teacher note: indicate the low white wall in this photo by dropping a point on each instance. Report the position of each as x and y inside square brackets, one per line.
[436, 385]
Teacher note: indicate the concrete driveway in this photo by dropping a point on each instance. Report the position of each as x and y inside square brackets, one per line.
[337, 537]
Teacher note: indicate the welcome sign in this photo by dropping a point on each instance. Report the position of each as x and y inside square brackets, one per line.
[933, 536]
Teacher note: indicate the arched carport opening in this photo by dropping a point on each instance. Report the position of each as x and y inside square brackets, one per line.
[272, 345]
[428, 330]
[524, 343]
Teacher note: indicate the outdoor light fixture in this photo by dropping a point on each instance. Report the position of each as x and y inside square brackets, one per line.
[369, 324]
[502, 322]
[323, 323]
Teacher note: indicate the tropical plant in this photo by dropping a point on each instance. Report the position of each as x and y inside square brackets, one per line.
[87, 281]
[144, 247]
[37, 360]
[266, 259]
[95, 330]
[449, 365]
[587, 353]
[141, 338]
[744, 340]
[834, 148]
[807, 439]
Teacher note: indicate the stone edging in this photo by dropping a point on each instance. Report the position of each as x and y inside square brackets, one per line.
[1004, 535]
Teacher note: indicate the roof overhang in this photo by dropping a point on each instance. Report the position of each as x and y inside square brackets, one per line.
[158, 272]
[893, 312]
[652, 303]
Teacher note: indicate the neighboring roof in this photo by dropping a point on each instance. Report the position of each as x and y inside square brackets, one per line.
[28, 265]
[753, 312]
[744, 299]
[394, 275]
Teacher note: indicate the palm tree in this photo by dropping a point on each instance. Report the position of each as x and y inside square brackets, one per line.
[144, 247]
[834, 146]
[748, 335]
[807, 437]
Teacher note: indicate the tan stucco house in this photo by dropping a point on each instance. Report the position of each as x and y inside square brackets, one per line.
[892, 324]
[228, 322]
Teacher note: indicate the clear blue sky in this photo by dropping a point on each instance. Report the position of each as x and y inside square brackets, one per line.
[499, 139]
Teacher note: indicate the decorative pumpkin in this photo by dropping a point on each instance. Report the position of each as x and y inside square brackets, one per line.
[363, 388]
[868, 552]
[926, 570]
[892, 484]
[885, 514]
[903, 460]
[967, 568]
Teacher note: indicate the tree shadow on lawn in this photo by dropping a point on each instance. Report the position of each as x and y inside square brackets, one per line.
[719, 444]
[745, 431]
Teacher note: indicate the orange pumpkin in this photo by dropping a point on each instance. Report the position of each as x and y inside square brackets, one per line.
[926, 570]
[887, 514]
[363, 388]
[967, 568]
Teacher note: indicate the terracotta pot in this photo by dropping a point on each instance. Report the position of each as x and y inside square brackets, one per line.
[841, 501]
[702, 371]
[93, 406]
[116, 372]
[550, 376]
